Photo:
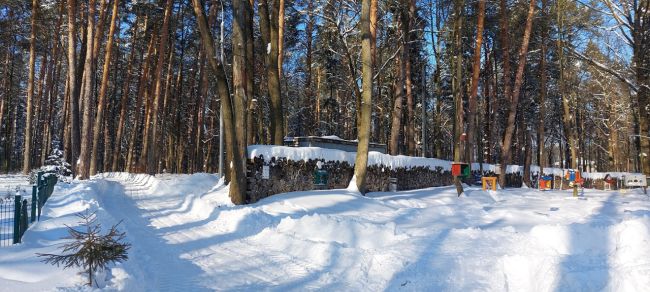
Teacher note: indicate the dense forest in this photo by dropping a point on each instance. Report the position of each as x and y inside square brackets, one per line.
[142, 86]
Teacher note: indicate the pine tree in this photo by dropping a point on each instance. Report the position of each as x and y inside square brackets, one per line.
[89, 248]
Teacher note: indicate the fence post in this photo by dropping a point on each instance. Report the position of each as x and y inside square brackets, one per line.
[49, 186]
[39, 178]
[17, 201]
[41, 200]
[23, 219]
[34, 198]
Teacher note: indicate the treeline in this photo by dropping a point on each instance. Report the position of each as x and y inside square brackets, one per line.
[141, 86]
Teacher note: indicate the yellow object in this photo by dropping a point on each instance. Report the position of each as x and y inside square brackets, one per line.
[489, 181]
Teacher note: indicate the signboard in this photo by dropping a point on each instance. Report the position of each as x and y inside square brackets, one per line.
[636, 180]
[265, 172]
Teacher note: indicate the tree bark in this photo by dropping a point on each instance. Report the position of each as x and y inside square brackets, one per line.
[141, 97]
[5, 89]
[238, 179]
[240, 67]
[476, 72]
[52, 90]
[37, 104]
[269, 31]
[27, 153]
[504, 34]
[312, 125]
[73, 103]
[396, 123]
[408, 15]
[124, 101]
[99, 118]
[361, 160]
[251, 132]
[151, 151]
[457, 81]
[542, 92]
[641, 57]
[280, 36]
[514, 101]
[568, 119]
[87, 97]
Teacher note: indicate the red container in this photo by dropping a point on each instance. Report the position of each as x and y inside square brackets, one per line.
[455, 169]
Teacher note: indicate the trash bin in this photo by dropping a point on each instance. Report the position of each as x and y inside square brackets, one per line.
[320, 179]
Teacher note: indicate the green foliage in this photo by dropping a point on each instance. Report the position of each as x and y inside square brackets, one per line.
[89, 249]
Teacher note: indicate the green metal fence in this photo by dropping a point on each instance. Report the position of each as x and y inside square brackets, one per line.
[17, 212]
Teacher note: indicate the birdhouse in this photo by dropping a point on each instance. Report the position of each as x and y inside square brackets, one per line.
[460, 169]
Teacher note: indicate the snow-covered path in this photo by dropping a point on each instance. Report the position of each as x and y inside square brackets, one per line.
[127, 199]
[186, 236]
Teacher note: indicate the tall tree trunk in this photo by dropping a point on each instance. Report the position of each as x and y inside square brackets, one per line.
[141, 97]
[99, 29]
[73, 103]
[151, 152]
[269, 31]
[567, 116]
[309, 91]
[65, 130]
[514, 101]
[542, 92]
[124, 101]
[528, 157]
[239, 69]
[37, 104]
[6, 127]
[5, 89]
[53, 89]
[163, 162]
[238, 175]
[99, 118]
[504, 34]
[476, 72]
[641, 58]
[87, 97]
[457, 81]
[27, 153]
[361, 161]
[490, 102]
[408, 15]
[396, 124]
[251, 131]
[280, 36]
[49, 99]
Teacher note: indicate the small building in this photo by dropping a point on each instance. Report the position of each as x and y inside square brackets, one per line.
[331, 142]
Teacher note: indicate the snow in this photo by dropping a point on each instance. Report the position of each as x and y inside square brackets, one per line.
[12, 184]
[317, 153]
[332, 137]
[187, 236]
[399, 161]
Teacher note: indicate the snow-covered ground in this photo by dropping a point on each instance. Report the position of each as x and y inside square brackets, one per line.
[10, 184]
[186, 236]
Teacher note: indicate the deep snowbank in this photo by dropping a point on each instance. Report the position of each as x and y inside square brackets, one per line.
[187, 237]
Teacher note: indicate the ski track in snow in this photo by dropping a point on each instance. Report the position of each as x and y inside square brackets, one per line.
[186, 236]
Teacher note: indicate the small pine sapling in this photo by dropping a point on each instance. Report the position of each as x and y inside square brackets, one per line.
[89, 249]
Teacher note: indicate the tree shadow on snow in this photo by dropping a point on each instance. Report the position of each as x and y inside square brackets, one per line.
[150, 257]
